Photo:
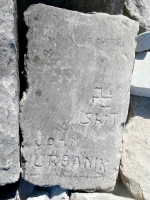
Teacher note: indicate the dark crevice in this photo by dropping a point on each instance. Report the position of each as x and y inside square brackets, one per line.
[22, 6]
[8, 191]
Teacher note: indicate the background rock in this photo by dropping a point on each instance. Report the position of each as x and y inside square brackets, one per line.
[9, 128]
[139, 10]
[135, 167]
[140, 84]
[79, 70]
[143, 42]
[96, 196]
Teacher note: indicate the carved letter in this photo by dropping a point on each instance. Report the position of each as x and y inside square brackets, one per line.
[87, 162]
[65, 160]
[53, 160]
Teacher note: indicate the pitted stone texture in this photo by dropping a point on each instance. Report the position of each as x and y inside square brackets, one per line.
[140, 84]
[79, 70]
[109, 6]
[9, 129]
[135, 164]
[139, 10]
[143, 42]
[97, 196]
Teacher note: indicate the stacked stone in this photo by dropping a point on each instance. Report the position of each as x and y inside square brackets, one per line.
[9, 95]
[79, 68]
[136, 157]
[139, 10]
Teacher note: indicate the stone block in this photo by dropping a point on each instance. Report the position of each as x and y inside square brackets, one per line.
[79, 69]
[97, 196]
[143, 42]
[9, 103]
[135, 163]
[140, 84]
[139, 10]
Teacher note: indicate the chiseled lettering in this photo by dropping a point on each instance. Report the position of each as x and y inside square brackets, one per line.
[76, 162]
[87, 162]
[65, 160]
[53, 160]
[39, 158]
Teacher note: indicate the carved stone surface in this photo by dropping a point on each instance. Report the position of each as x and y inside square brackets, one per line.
[79, 70]
[97, 196]
[140, 84]
[9, 129]
[135, 163]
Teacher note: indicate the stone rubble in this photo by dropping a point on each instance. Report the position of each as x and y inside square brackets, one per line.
[75, 101]
[73, 114]
[135, 163]
[9, 96]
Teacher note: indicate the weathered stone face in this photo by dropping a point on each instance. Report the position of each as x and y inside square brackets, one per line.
[135, 167]
[79, 70]
[9, 129]
[139, 10]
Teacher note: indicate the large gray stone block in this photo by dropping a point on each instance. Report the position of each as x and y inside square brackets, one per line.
[79, 70]
[135, 163]
[9, 129]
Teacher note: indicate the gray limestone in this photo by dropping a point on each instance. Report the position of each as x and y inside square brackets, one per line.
[140, 84]
[135, 163]
[79, 70]
[9, 129]
[97, 196]
[143, 42]
[139, 10]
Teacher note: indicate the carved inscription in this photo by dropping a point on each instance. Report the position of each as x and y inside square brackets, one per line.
[102, 115]
[70, 161]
